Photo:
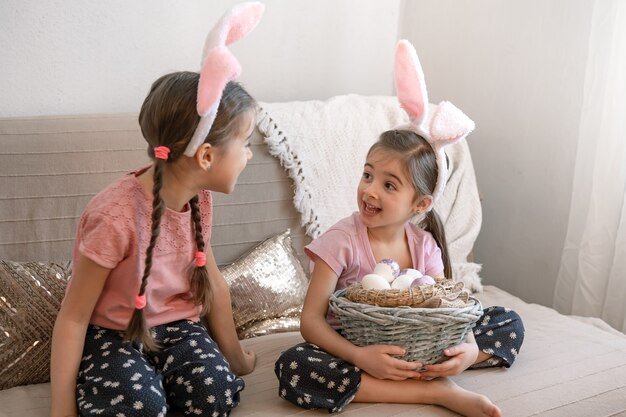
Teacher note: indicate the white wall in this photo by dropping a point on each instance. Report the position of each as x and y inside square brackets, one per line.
[86, 56]
[516, 67]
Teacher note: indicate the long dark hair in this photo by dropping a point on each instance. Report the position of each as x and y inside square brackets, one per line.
[421, 166]
[168, 117]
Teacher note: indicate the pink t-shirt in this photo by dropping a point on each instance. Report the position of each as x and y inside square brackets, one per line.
[347, 251]
[114, 232]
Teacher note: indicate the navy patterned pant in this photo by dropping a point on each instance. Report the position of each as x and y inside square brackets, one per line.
[189, 373]
[312, 378]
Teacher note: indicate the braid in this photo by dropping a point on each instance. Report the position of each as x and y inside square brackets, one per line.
[168, 119]
[137, 327]
[432, 223]
[200, 285]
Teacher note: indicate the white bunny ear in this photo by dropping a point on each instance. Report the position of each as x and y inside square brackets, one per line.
[233, 25]
[410, 85]
[219, 65]
[449, 124]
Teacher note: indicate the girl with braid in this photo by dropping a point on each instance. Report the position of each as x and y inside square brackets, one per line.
[128, 339]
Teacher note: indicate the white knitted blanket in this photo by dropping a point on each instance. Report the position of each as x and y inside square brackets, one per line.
[323, 144]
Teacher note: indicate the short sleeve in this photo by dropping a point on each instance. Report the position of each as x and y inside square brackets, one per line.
[433, 262]
[333, 247]
[102, 240]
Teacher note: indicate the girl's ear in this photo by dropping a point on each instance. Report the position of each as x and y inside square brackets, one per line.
[205, 156]
[423, 204]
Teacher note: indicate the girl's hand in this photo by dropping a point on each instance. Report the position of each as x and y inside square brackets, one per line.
[461, 357]
[377, 361]
[247, 365]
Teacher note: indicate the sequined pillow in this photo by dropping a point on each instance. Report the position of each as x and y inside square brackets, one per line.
[267, 288]
[30, 298]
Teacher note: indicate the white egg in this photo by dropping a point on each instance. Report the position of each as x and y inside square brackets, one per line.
[411, 272]
[395, 267]
[385, 271]
[402, 282]
[375, 282]
[424, 280]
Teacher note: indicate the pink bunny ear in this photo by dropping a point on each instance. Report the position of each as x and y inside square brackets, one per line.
[219, 65]
[410, 85]
[449, 124]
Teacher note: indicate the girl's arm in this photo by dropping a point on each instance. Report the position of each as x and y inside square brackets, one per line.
[68, 336]
[221, 322]
[374, 359]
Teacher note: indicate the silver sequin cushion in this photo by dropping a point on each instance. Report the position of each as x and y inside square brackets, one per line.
[30, 297]
[267, 288]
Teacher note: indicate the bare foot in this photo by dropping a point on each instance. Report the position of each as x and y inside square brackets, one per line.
[464, 402]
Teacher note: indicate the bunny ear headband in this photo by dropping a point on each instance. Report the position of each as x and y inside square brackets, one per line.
[447, 125]
[219, 65]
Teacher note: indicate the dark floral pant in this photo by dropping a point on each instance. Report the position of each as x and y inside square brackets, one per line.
[117, 378]
[312, 378]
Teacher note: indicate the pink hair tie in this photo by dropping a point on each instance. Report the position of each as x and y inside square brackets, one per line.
[161, 152]
[140, 302]
[200, 259]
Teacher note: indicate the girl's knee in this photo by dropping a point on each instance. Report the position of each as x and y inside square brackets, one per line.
[291, 359]
[500, 319]
[203, 393]
[294, 351]
[309, 377]
[500, 333]
[150, 402]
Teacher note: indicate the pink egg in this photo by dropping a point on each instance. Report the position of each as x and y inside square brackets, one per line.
[423, 280]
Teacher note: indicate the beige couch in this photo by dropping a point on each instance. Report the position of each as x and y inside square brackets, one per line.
[51, 166]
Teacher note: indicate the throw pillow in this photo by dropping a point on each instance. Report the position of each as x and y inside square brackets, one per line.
[269, 326]
[30, 297]
[268, 283]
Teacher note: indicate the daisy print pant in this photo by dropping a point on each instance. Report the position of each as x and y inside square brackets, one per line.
[312, 378]
[189, 373]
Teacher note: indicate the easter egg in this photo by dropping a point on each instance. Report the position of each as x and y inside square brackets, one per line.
[375, 282]
[402, 282]
[388, 269]
[423, 280]
[411, 272]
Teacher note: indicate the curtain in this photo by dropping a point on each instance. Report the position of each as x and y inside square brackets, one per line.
[592, 273]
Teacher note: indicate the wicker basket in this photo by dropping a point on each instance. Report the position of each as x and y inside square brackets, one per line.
[423, 332]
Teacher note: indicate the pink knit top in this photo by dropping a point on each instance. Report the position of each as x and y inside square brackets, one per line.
[114, 232]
